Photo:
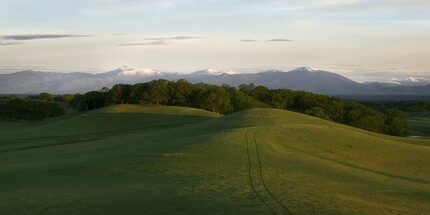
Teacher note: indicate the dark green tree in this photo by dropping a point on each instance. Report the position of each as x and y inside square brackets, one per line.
[158, 91]
[46, 97]
[216, 99]
[120, 93]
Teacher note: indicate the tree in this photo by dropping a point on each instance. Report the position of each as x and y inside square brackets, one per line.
[94, 100]
[46, 97]
[180, 92]
[158, 91]
[396, 123]
[216, 99]
[241, 101]
[335, 109]
[120, 93]
[104, 90]
[396, 127]
[260, 93]
[18, 109]
[304, 101]
[63, 98]
[246, 88]
[140, 93]
[317, 112]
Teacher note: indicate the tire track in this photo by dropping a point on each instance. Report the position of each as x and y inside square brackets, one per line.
[270, 193]
[250, 174]
[264, 117]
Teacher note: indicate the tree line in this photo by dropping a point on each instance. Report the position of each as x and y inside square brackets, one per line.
[386, 107]
[226, 99]
[16, 109]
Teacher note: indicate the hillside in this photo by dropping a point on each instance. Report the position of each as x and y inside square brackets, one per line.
[133, 159]
[419, 124]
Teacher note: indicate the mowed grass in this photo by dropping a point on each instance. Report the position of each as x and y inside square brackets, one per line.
[169, 160]
[419, 124]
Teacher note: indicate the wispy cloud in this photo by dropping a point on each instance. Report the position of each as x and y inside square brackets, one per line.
[38, 36]
[156, 41]
[11, 43]
[174, 38]
[248, 40]
[153, 43]
[353, 5]
[279, 40]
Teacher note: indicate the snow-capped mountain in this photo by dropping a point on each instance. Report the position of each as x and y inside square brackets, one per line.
[213, 72]
[410, 81]
[306, 69]
[130, 71]
[303, 78]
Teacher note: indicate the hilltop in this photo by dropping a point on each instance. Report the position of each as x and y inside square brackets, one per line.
[134, 159]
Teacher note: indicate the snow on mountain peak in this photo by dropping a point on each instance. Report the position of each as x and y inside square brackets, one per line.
[412, 79]
[305, 69]
[211, 71]
[409, 81]
[130, 71]
[214, 72]
[311, 69]
[125, 68]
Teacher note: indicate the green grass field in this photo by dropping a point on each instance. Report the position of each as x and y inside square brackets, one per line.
[132, 159]
[419, 124]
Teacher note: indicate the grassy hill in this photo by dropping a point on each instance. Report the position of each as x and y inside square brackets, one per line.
[419, 124]
[133, 159]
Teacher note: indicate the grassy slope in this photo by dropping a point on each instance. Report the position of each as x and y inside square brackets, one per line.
[109, 162]
[419, 124]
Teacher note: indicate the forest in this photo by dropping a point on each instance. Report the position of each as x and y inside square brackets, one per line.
[226, 99]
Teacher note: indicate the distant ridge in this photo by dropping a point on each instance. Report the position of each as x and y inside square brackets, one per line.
[303, 78]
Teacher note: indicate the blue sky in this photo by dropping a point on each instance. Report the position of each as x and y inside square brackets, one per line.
[361, 39]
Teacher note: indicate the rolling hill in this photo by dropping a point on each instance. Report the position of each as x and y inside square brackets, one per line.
[134, 159]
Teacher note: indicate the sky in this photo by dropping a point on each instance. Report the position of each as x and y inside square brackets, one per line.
[365, 40]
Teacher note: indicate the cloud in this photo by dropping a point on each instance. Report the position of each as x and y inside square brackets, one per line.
[174, 38]
[279, 40]
[248, 40]
[38, 36]
[153, 43]
[11, 43]
[156, 41]
[353, 5]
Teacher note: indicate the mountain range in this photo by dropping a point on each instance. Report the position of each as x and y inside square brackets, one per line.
[303, 78]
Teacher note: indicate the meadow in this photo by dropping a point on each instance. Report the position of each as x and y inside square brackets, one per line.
[136, 159]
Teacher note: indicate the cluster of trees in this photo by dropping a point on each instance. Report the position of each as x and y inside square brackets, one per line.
[386, 107]
[48, 97]
[226, 99]
[17, 109]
